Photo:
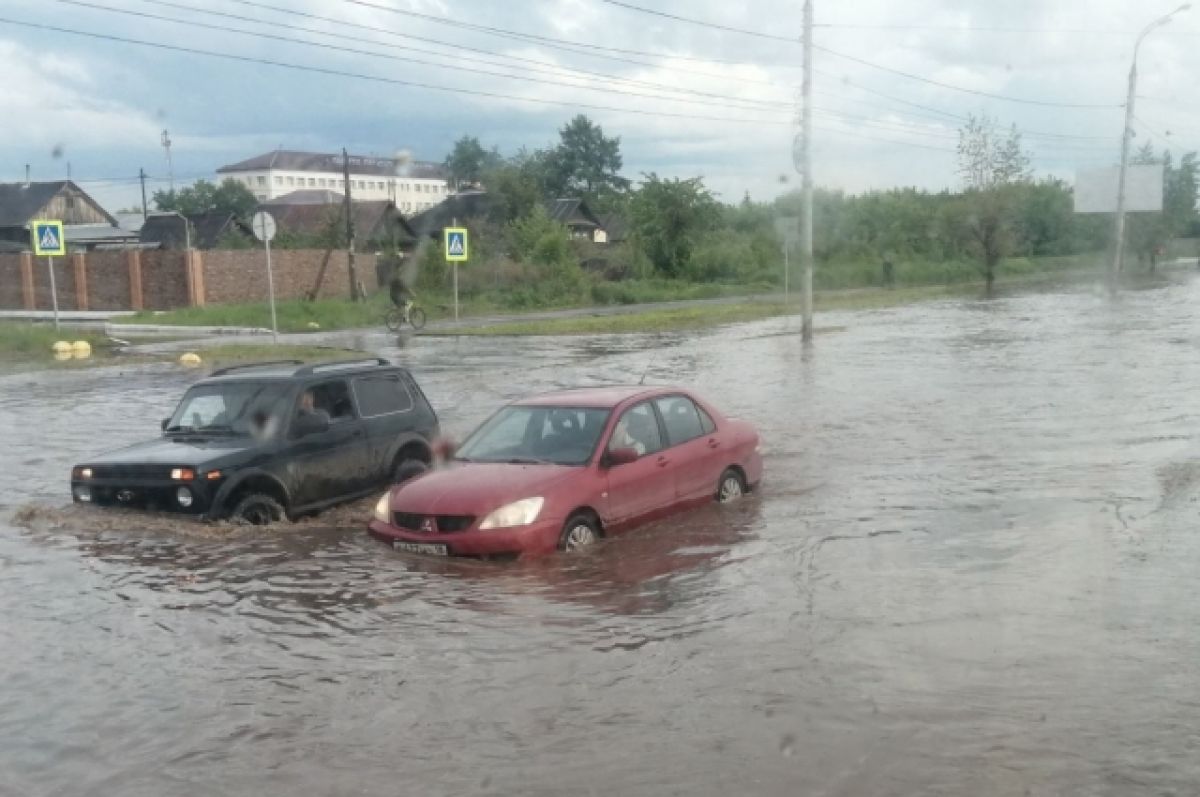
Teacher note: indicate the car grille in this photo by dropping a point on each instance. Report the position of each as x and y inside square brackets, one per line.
[437, 524]
[132, 472]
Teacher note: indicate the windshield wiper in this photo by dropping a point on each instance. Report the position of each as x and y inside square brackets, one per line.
[528, 461]
[219, 428]
[179, 429]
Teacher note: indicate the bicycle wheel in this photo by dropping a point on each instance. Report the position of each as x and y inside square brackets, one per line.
[416, 317]
[394, 319]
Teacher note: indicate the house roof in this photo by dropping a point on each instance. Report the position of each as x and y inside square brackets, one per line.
[309, 196]
[369, 218]
[461, 206]
[21, 202]
[616, 226]
[166, 230]
[97, 233]
[296, 161]
[573, 212]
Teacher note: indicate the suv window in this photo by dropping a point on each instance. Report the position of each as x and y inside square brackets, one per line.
[681, 418]
[637, 429]
[381, 395]
[334, 398]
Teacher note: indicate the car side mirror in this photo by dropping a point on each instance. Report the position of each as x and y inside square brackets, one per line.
[622, 456]
[311, 423]
[164, 424]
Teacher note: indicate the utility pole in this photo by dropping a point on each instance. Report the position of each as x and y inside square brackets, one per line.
[349, 228]
[142, 177]
[806, 215]
[166, 143]
[1118, 260]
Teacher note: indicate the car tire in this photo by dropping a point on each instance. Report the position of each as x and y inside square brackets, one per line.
[257, 509]
[408, 469]
[730, 487]
[579, 533]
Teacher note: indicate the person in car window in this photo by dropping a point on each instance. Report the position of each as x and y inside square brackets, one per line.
[308, 406]
[623, 437]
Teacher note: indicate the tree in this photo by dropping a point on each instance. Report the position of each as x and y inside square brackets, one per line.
[585, 162]
[991, 165]
[514, 190]
[667, 218]
[468, 161]
[230, 197]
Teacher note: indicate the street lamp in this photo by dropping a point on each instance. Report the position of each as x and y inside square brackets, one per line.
[1119, 253]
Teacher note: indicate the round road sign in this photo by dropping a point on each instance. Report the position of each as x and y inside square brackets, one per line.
[263, 225]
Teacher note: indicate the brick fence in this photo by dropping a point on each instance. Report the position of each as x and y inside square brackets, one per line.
[163, 280]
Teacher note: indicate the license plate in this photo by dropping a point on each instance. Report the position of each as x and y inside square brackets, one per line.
[428, 548]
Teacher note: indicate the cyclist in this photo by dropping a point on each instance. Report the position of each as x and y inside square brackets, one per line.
[402, 295]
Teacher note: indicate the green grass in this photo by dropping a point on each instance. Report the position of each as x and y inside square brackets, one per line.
[657, 320]
[31, 342]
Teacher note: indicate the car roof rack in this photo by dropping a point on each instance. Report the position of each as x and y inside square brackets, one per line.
[341, 365]
[247, 366]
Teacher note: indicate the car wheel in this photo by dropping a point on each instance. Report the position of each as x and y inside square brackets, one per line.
[257, 509]
[730, 487]
[579, 533]
[408, 469]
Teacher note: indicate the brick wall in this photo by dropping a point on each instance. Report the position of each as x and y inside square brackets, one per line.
[10, 283]
[234, 276]
[108, 280]
[225, 277]
[164, 281]
[64, 283]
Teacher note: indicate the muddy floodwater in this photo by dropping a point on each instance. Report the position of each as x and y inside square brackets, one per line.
[973, 570]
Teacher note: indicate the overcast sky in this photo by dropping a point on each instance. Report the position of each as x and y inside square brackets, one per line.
[686, 100]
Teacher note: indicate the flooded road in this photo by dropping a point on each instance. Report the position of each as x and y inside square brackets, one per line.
[972, 570]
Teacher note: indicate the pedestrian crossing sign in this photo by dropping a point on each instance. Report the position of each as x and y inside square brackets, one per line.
[456, 244]
[48, 238]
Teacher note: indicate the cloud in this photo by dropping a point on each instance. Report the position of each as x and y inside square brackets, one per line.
[874, 128]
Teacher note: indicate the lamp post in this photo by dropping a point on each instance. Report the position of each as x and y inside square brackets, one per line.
[1119, 236]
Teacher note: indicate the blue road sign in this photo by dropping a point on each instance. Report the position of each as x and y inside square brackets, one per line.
[456, 244]
[48, 238]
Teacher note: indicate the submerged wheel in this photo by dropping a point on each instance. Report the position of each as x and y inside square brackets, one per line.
[579, 533]
[730, 487]
[257, 509]
[416, 317]
[408, 469]
[394, 319]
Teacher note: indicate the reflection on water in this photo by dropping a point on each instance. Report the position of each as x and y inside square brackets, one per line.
[971, 571]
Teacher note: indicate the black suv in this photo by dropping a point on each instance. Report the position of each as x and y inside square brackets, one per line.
[257, 442]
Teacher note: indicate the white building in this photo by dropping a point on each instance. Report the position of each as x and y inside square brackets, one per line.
[413, 186]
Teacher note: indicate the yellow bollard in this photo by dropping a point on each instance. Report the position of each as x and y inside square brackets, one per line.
[61, 346]
[189, 359]
[81, 349]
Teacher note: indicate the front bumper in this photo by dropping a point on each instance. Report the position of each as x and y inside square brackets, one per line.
[139, 494]
[536, 539]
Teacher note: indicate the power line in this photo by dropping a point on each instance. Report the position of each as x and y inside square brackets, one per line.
[855, 59]
[977, 92]
[726, 100]
[387, 80]
[457, 55]
[702, 23]
[550, 41]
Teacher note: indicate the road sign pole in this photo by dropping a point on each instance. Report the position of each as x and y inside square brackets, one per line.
[785, 272]
[271, 292]
[455, 270]
[53, 289]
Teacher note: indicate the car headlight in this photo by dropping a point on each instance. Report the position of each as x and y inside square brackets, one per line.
[518, 513]
[383, 508]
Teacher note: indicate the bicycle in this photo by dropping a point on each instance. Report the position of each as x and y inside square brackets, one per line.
[395, 318]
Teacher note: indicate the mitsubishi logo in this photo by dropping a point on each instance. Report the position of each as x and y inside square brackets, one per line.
[427, 526]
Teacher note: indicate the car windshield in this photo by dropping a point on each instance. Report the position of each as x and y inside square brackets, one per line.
[232, 408]
[519, 434]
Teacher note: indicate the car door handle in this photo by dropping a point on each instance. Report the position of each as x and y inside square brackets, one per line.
[714, 443]
[663, 462]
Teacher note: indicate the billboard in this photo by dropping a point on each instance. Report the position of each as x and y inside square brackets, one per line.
[1096, 189]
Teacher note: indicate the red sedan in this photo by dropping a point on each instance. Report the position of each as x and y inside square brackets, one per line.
[560, 470]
